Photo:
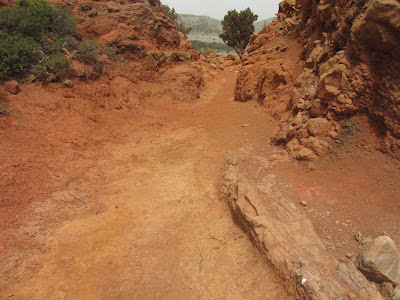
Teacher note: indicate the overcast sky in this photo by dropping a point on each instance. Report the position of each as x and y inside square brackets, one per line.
[218, 8]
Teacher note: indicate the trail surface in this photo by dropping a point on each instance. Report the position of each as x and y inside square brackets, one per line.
[156, 228]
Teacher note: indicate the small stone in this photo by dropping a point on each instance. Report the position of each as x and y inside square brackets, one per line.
[68, 83]
[337, 222]
[349, 255]
[338, 246]
[12, 86]
[311, 166]
[245, 125]
[358, 237]
[304, 203]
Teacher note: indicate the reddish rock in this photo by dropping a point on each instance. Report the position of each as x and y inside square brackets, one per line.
[12, 86]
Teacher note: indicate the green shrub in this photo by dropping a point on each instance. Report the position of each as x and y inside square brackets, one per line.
[16, 54]
[35, 18]
[54, 66]
[110, 52]
[86, 48]
[50, 46]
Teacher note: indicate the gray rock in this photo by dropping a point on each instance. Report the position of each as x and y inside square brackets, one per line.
[379, 260]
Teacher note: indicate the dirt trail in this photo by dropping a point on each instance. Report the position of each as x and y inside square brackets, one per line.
[159, 230]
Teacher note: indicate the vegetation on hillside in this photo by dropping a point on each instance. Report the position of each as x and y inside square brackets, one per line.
[170, 12]
[35, 37]
[33, 34]
[237, 29]
[204, 46]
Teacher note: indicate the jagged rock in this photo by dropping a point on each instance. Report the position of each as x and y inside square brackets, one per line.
[11, 86]
[285, 236]
[349, 62]
[379, 260]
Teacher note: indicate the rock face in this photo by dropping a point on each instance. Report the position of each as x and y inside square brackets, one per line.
[349, 62]
[379, 261]
[286, 236]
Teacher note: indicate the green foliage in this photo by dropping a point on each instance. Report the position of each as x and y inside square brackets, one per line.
[110, 52]
[16, 54]
[202, 47]
[35, 18]
[237, 29]
[86, 49]
[33, 35]
[53, 66]
[170, 12]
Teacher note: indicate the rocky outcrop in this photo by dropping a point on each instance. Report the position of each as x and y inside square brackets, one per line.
[137, 27]
[285, 235]
[349, 52]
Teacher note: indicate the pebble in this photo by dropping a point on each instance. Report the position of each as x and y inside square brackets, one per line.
[337, 222]
[339, 246]
[311, 166]
[304, 203]
[68, 83]
[245, 125]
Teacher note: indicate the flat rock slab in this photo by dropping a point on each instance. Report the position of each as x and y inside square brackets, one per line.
[286, 236]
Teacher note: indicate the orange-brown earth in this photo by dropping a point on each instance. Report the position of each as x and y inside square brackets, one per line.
[109, 189]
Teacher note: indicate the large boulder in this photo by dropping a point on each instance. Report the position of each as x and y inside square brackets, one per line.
[379, 260]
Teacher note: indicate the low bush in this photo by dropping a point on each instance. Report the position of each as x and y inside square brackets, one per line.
[35, 18]
[16, 54]
[53, 66]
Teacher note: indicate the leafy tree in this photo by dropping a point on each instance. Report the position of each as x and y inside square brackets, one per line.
[237, 29]
[170, 12]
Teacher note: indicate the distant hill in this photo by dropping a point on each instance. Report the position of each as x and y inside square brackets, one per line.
[204, 28]
[261, 24]
[207, 29]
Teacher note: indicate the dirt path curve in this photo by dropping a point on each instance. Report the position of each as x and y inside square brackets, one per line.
[162, 232]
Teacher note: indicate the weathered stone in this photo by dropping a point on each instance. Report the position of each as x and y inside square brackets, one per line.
[12, 86]
[305, 154]
[379, 260]
[319, 127]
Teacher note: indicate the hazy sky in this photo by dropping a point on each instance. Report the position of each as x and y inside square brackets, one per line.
[218, 8]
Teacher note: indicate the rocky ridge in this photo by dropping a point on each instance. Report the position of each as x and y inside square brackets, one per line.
[347, 65]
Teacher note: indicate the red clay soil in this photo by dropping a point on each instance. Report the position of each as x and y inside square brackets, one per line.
[149, 177]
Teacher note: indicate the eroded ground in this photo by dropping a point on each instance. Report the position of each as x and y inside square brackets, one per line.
[126, 205]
